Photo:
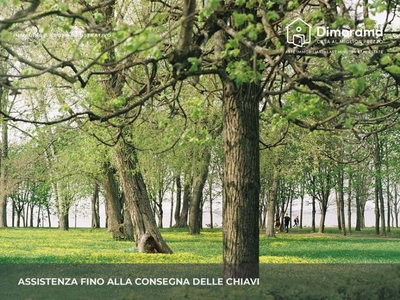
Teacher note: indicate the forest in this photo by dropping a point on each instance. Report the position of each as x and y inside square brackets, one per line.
[186, 101]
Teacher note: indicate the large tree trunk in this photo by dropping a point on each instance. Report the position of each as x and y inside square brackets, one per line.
[241, 184]
[63, 220]
[198, 185]
[128, 229]
[62, 208]
[148, 238]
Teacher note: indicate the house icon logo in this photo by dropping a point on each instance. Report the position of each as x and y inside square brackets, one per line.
[298, 33]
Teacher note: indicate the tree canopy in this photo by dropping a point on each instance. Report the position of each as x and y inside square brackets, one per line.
[122, 85]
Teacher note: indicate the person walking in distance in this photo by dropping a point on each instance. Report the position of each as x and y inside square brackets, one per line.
[287, 220]
[296, 222]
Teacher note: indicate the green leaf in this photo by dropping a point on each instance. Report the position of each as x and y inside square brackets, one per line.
[393, 69]
[98, 17]
[239, 19]
[272, 16]
[358, 69]
[362, 108]
[195, 63]
[235, 52]
[386, 60]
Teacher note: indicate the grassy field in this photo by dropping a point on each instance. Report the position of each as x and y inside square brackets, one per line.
[298, 265]
[31, 245]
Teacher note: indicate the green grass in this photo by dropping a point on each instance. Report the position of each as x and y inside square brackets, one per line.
[331, 247]
[31, 245]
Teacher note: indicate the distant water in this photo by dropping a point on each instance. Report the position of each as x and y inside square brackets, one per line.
[80, 217]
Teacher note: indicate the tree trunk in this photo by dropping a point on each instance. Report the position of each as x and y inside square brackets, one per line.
[32, 208]
[158, 209]
[301, 210]
[171, 214]
[341, 199]
[18, 218]
[48, 215]
[313, 209]
[12, 213]
[177, 214]
[241, 184]
[324, 209]
[362, 215]
[62, 210]
[379, 212]
[349, 194]
[358, 206]
[210, 199]
[395, 206]
[114, 205]
[273, 199]
[95, 206]
[388, 195]
[63, 220]
[183, 216]
[148, 237]
[128, 230]
[198, 185]
[4, 155]
[338, 210]
[38, 219]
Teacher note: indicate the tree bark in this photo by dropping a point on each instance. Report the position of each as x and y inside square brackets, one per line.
[301, 209]
[325, 190]
[379, 208]
[95, 203]
[128, 229]
[114, 205]
[341, 199]
[198, 185]
[183, 216]
[388, 194]
[178, 199]
[148, 237]
[4, 155]
[270, 231]
[241, 183]
[349, 195]
[395, 207]
[31, 209]
[210, 199]
[313, 212]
